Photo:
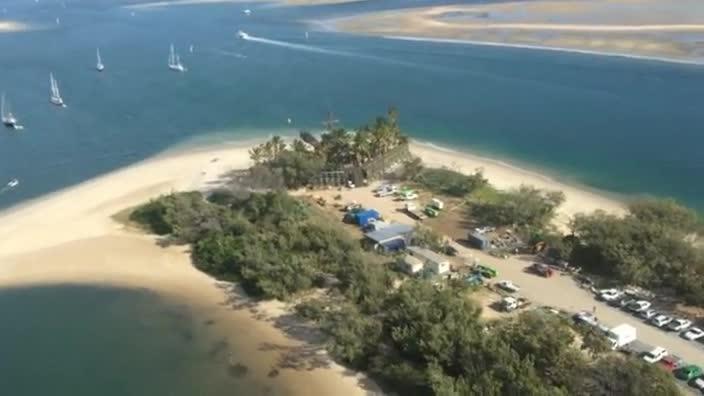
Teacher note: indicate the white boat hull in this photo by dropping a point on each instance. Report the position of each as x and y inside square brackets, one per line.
[57, 101]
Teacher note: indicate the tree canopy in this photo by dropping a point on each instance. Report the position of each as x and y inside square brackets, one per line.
[418, 338]
[650, 246]
[525, 206]
[299, 162]
[446, 181]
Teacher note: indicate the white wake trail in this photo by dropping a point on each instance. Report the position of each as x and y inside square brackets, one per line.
[310, 48]
[300, 47]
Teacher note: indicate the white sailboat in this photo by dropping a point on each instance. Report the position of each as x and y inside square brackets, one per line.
[175, 61]
[12, 183]
[55, 97]
[8, 119]
[99, 66]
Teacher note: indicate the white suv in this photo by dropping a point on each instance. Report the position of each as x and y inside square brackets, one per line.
[639, 306]
[610, 294]
[694, 333]
[655, 355]
[679, 324]
[661, 320]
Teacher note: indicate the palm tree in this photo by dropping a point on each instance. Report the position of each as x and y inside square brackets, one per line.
[256, 153]
[299, 146]
[337, 146]
[362, 146]
[278, 146]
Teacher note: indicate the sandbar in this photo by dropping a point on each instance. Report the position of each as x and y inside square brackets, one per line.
[646, 28]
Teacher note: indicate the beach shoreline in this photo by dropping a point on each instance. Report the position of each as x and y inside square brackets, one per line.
[546, 25]
[547, 48]
[71, 237]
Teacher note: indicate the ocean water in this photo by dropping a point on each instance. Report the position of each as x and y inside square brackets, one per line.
[85, 341]
[617, 124]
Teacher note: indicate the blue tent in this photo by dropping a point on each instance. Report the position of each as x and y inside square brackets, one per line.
[363, 217]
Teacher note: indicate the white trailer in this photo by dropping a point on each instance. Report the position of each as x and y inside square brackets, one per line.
[621, 335]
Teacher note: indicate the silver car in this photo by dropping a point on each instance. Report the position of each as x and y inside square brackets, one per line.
[661, 320]
[648, 314]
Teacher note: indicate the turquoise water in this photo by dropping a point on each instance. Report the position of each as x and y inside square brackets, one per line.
[623, 125]
[78, 340]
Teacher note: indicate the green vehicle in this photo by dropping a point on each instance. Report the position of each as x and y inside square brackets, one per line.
[485, 271]
[431, 212]
[688, 372]
[474, 280]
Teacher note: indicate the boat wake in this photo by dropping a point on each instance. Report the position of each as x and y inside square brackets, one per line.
[9, 186]
[299, 47]
[230, 53]
[325, 51]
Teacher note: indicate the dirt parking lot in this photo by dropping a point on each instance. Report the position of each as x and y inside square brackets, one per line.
[559, 291]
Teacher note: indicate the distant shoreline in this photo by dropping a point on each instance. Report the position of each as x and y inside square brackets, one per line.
[546, 48]
[579, 27]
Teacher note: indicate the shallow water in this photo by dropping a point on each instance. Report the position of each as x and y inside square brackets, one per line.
[624, 125]
[79, 340]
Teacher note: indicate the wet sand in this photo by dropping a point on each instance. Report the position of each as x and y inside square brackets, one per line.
[70, 237]
[644, 28]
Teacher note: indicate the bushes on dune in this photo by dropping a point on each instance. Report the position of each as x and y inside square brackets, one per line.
[651, 246]
[448, 182]
[418, 339]
[271, 242]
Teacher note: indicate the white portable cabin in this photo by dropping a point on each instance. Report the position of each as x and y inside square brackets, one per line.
[431, 260]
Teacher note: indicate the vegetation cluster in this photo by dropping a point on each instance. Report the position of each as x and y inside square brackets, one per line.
[417, 338]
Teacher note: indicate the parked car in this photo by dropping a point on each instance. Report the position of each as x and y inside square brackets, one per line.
[697, 383]
[585, 317]
[386, 193]
[694, 333]
[610, 294]
[647, 314]
[486, 271]
[688, 372]
[654, 355]
[679, 325]
[639, 306]
[661, 320]
[387, 187]
[508, 286]
[622, 302]
[513, 303]
[671, 363]
[541, 269]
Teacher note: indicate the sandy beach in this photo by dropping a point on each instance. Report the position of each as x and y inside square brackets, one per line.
[506, 176]
[647, 28]
[71, 237]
